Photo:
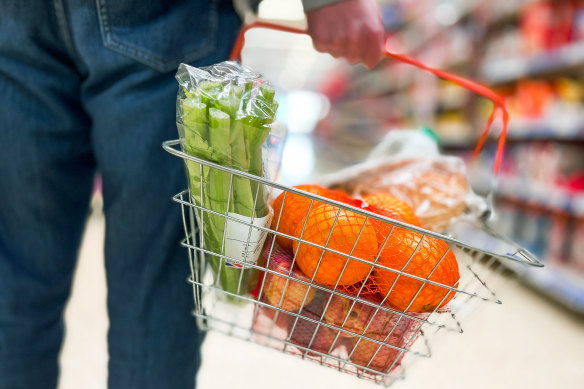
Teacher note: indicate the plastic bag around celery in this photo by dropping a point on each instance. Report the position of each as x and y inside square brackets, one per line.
[407, 165]
[224, 114]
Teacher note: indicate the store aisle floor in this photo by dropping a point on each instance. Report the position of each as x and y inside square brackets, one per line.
[528, 342]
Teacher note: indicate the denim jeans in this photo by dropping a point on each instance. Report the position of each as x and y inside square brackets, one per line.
[86, 86]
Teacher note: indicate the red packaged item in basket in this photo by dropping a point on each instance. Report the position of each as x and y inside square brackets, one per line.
[367, 288]
[280, 288]
[374, 338]
[307, 332]
[326, 325]
[284, 292]
[395, 336]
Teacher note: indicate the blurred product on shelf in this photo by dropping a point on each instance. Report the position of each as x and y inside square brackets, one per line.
[555, 236]
[546, 25]
[552, 107]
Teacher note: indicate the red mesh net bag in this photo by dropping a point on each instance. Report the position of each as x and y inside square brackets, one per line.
[369, 289]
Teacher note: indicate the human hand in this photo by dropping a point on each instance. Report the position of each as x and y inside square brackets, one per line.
[351, 29]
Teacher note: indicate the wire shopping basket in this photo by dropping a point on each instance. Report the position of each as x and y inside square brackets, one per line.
[368, 302]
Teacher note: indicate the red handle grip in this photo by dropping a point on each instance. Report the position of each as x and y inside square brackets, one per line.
[498, 102]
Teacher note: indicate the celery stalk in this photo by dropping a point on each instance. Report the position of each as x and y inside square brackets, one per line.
[256, 128]
[227, 125]
[195, 123]
[217, 195]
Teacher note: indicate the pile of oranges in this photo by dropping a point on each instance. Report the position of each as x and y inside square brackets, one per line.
[356, 254]
[375, 261]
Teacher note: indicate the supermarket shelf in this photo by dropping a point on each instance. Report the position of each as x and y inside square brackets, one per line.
[524, 133]
[562, 284]
[546, 136]
[551, 199]
[516, 136]
[558, 60]
[421, 39]
[553, 130]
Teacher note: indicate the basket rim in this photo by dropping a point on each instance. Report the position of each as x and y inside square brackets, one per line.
[521, 255]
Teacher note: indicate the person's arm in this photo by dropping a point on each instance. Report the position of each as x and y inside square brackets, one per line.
[351, 29]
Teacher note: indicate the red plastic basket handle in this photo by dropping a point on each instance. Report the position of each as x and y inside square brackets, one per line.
[498, 102]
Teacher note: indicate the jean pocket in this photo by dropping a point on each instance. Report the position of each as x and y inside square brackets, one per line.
[160, 34]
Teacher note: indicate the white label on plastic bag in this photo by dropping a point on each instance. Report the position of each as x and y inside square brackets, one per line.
[242, 241]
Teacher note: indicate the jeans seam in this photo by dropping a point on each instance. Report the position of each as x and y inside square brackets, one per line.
[159, 64]
[63, 26]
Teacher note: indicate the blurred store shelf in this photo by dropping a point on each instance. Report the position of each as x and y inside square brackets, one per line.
[553, 199]
[560, 60]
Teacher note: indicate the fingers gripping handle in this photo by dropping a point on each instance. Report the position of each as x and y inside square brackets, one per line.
[498, 102]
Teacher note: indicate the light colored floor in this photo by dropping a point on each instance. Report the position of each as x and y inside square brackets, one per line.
[528, 342]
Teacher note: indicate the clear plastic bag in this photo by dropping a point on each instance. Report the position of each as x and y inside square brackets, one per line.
[224, 115]
[435, 187]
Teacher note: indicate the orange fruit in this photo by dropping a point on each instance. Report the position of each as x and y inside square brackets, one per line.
[383, 229]
[393, 207]
[318, 225]
[433, 259]
[296, 207]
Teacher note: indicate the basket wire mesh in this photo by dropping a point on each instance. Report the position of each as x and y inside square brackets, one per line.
[380, 354]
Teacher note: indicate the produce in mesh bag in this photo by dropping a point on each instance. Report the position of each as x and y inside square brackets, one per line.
[282, 291]
[362, 330]
[290, 209]
[365, 289]
[391, 207]
[224, 115]
[307, 333]
[355, 317]
[432, 259]
[397, 333]
[340, 230]
[302, 331]
[360, 320]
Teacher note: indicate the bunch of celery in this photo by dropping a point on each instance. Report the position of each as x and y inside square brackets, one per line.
[224, 115]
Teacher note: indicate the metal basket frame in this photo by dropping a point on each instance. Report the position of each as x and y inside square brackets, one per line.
[197, 255]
